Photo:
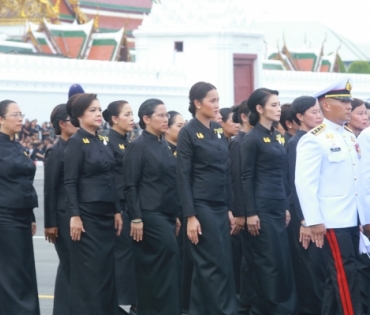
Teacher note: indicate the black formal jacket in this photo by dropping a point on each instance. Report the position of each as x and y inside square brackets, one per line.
[150, 176]
[17, 172]
[54, 193]
[118, 143]
[292, 158]
[89, 171]
[202, 166]
[264, 168]
[287, 137]
[236, 174]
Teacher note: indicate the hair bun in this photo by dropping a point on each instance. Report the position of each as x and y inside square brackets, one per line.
[106, 115]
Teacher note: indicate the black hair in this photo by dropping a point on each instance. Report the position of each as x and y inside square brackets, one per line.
[225, 113]
[258, 97]
[300, 105]
[356, 102]
[198, 92]
[147, 109]
[77, 105]
[367, 104]
[58, 114]
[239, 110]
[4, 107]
[113, 109]
[172, 116]
[286, 115]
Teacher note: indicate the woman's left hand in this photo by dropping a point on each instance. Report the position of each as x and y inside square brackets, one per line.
[118, 223]
[232, 223]
[287, 217]
[178, 226]
[34, 228]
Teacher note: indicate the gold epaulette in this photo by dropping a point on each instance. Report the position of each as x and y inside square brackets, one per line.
[345, 127]
[318, 129]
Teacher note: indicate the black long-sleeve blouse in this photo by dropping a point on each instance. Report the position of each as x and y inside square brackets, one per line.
[264, 168]
[202, 166]
[236, 174]
[150, 176]
[89, 171]
[292, 158]
[118, 143]
[17, 172]
[54, 192]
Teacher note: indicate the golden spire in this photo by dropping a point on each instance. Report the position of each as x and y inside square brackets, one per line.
[96, 20]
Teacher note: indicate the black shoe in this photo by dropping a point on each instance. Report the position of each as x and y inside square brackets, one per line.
[121, 311]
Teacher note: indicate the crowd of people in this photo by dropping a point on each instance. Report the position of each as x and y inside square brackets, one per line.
[258, 208]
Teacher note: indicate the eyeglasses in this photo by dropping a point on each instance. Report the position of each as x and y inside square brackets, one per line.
[15, 115]
[163, 116]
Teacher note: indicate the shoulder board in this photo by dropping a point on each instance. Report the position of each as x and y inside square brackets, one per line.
[349, 130]
[318, 129]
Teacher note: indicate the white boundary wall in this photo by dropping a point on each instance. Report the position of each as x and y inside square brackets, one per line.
[37, 84]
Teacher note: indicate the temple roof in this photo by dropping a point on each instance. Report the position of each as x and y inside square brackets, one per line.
[308, 35]
[106, 46]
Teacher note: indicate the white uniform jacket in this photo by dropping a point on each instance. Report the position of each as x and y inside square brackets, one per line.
[327, 175]
[364, 175]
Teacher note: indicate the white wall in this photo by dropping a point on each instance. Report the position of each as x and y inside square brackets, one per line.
[38, 84]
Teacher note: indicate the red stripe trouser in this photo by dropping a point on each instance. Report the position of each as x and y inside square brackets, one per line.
[342, 290]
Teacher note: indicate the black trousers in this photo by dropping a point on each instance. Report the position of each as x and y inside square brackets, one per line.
[157, 266]
[275, 291]
[92, 282]
[213, 287]
[247, 271]
[18, 286]
[309, 267]
[363, 271]
[342, 290]
[62, 246]
[237, 252]
[125, 270]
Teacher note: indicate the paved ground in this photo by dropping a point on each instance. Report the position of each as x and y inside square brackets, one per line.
[45, 254]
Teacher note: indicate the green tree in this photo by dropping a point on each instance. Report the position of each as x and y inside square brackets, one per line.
[359, 67]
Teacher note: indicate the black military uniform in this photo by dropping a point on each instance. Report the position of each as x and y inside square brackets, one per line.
[125, 275]
[55, 216]
[205, 192]
[151, 194]
[18, 287]
[91, 194]
[309, 265]
[265, 187]
[243, 261]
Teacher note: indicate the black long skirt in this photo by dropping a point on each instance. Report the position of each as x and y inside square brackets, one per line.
[309, 267]
[213, 286]
[125, 270]
[18, 286]
[275, 291]
[92, 282]
[157, 266]
[62, 246]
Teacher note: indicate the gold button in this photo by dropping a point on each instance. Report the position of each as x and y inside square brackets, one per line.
[354, 163]
[355, 178]
[356, 194]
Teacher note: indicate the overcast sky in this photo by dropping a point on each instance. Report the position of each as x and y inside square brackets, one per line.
[350, 18]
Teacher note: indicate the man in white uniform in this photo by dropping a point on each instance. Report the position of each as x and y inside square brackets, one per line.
[326, 181]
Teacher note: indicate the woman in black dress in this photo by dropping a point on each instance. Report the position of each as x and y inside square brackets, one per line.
[151, 193]
[56, 221]
[93, 207]
[18, 287]
[309, 264]
[240, 244]
[266, 189]
[204, 183]
[120, 118]
[287, 122]
[229, 127]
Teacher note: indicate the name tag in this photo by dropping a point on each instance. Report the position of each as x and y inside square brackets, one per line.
[337, 149]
